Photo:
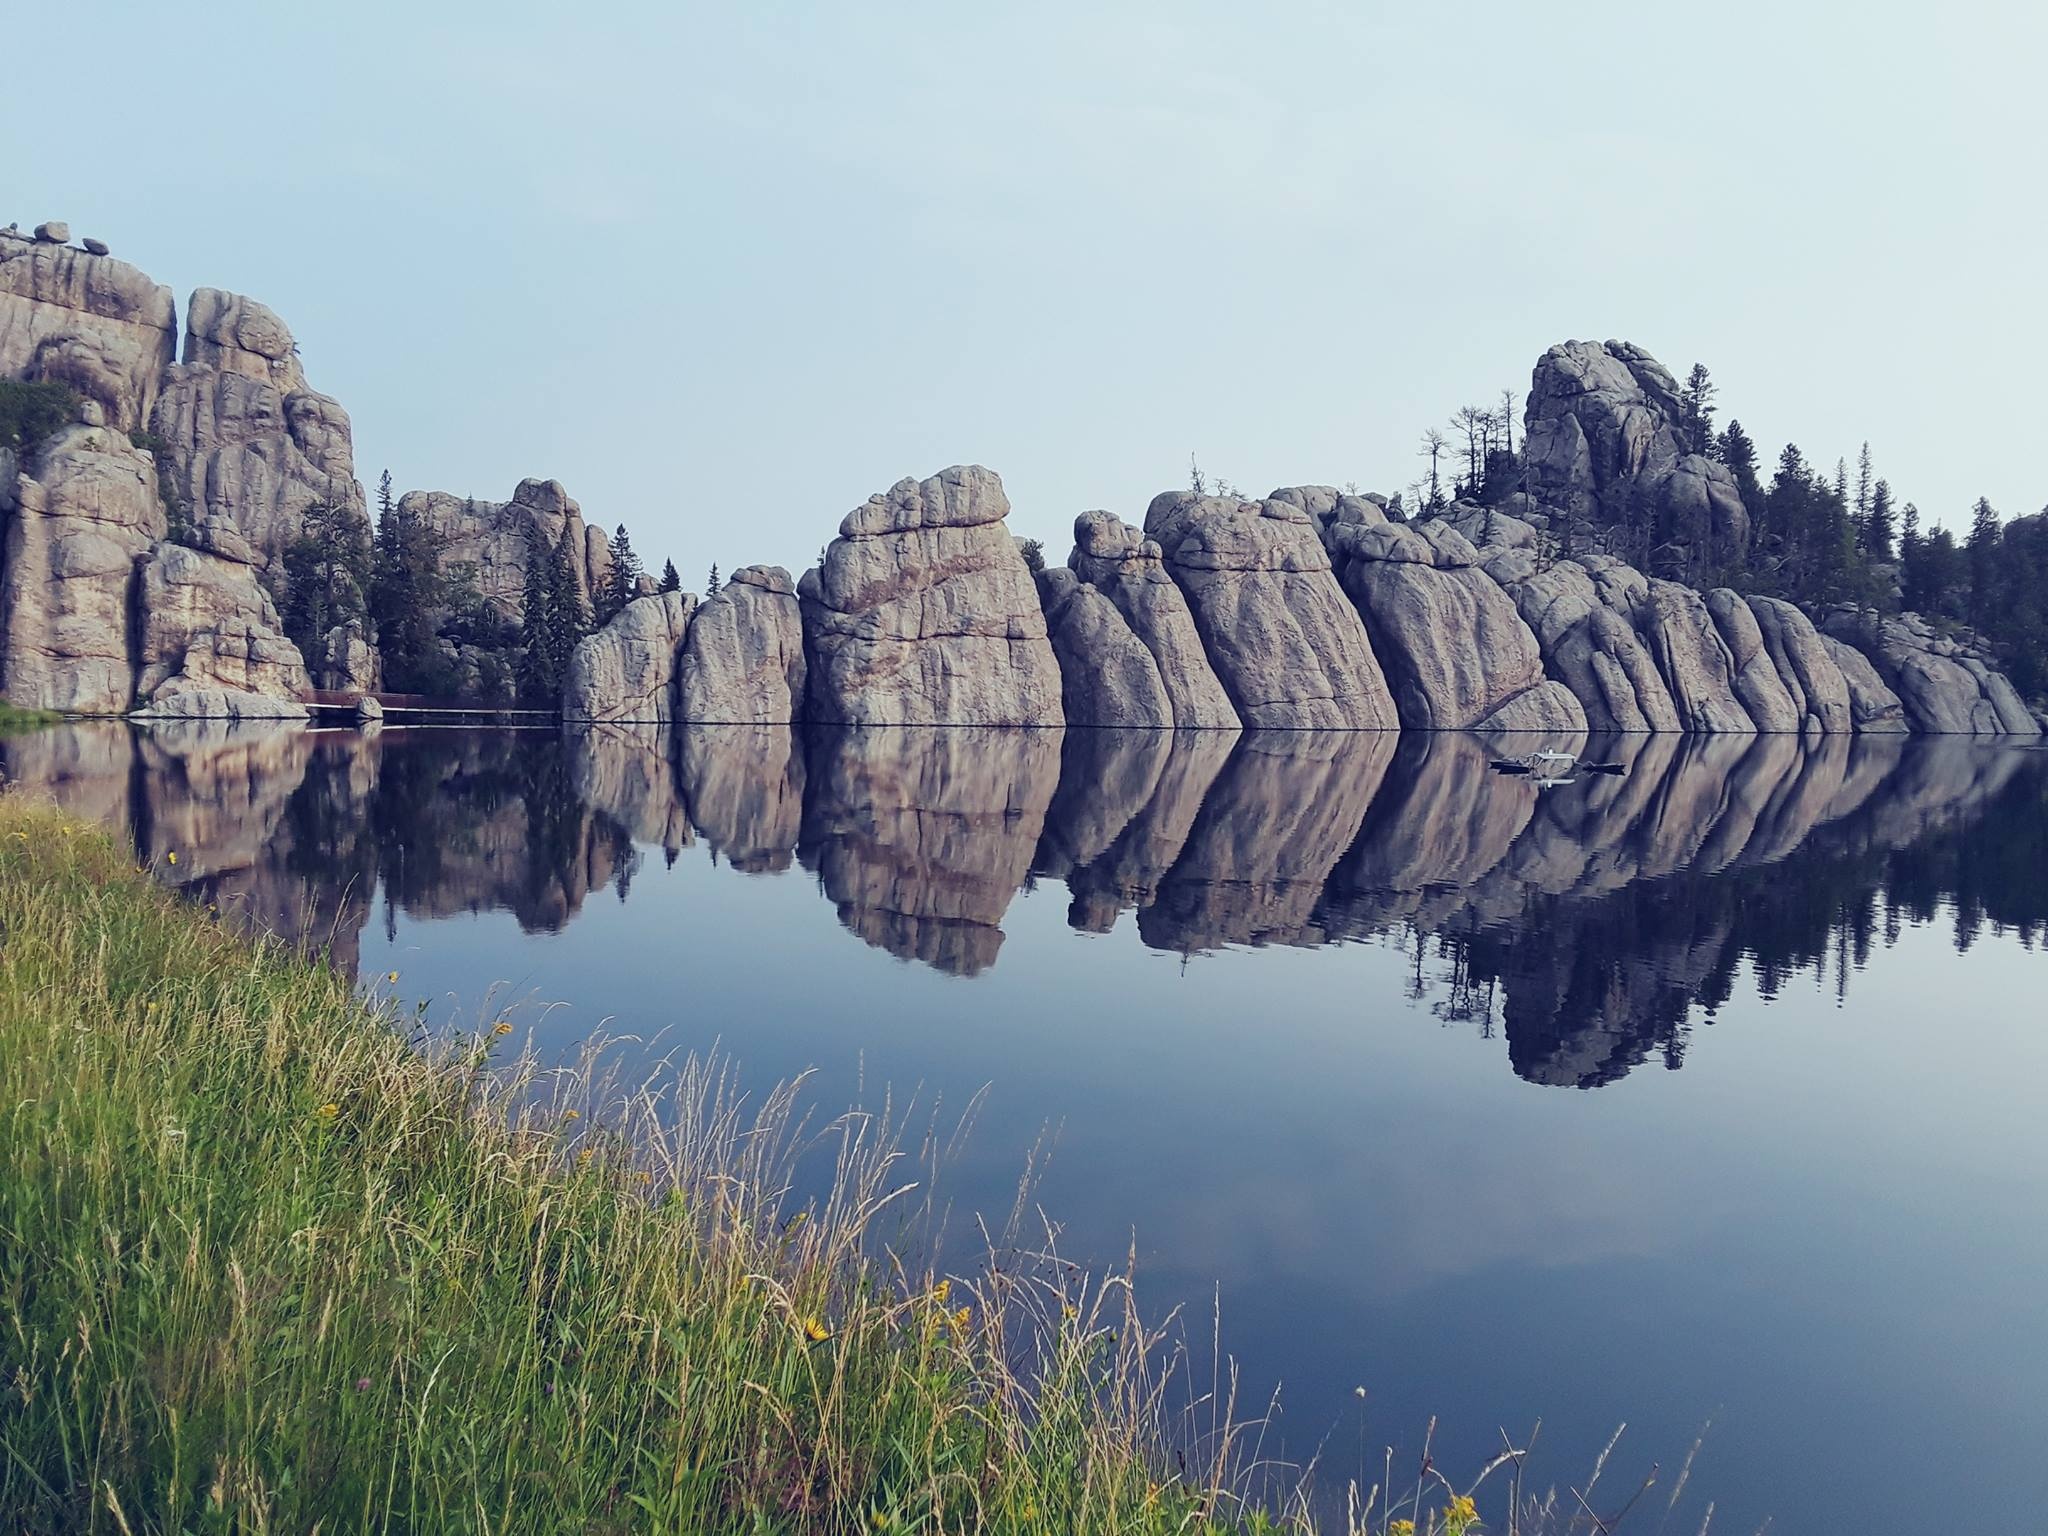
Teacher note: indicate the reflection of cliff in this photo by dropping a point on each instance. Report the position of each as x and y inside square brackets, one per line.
[1589, 921]
[922, 835]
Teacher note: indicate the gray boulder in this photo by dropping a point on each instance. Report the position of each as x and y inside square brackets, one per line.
[1456, 651]
[248, 445]
[84, 513]
[627, 670]
[491, 539]
[1946, 684]
[99, 326]
[1581, 615]
[1695, 663]
[53, 232]
[743, 659]
[1873, 708]
[209, 641]
[1130, 570]
[1108, 676]
[1607, 446]
[1812, 677]
[924, 613]
[1286, 642]
[1762, 693]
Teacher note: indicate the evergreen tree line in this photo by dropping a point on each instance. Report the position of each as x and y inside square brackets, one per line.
[1817, 537]
[428, 617]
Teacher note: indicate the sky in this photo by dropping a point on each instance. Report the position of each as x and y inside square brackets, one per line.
[725, 271]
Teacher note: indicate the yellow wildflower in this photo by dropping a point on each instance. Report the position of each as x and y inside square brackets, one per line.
[328, 1111]
[172, 856]
[646, 1177]
[962, 1318]
[572, 1115]
[1462, 1508]
[502, 1027]
[584, 1156]
[813, 1330]
[1070, 1312]
[1401, 1528]
[388, 975]
[941, 1291]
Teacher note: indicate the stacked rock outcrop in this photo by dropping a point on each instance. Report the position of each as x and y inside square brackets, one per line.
[1286, 642]
[144, 543]
[923, 612]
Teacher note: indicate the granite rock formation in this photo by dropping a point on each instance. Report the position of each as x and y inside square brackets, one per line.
[627, 670]
[1286, 642]
[1945, 683]
[1456, 651]
[96, 325]
[209, 642]
[1108, 676]
[743, 659]
[923, 612]
[80, 517]
[1130, 570]
[1606, 446]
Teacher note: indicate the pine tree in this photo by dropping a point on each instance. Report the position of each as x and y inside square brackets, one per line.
[1877, 523]
[625, 585]
[569, 613]
[1864, 487]
[1734, 449]
[670, 580]
[1696, 406]
[539, 680]
[1983, 561]
[711, 582]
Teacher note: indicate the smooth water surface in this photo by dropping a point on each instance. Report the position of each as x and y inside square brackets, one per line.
[1708, 1092]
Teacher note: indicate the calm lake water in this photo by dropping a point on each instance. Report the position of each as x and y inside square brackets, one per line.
[1709, 1092]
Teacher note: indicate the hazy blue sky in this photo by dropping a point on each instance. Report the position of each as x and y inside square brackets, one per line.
[725, 271]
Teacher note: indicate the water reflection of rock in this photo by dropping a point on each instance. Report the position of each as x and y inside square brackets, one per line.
[922, 835]
[1596, 923]
[745, 788]
[1273, 825]
[624, 771]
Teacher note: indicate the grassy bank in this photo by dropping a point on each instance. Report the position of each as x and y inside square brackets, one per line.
[14, 721]
[263, 1267]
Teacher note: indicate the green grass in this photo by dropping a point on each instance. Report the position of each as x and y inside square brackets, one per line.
[267, 1266]
[13, 722]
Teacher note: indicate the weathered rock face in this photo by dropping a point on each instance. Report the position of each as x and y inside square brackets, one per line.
[1130, 570]
[489, 540]
[347, 661]
[1606, 445]
[84, 513]
[209, 642]
[89, 322]
[1945, 685]
[1580, 613]
[924, 613]
[1812, 678]
[1873, 707]
[1456, 652]
[1107, 674]
[745, 787]
[1758, 687]
[1696, 665]
[625, 772]
[248, 443]
[922, 837]
[743, 659]
[1286, 642]
[627, 670]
